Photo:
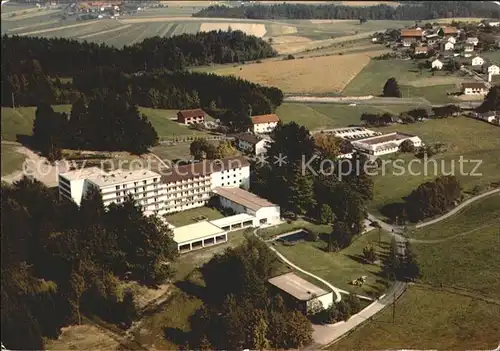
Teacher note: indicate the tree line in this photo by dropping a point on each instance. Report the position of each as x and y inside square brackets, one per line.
[410, 116]
[304, 185]
[65, 57]
[419, 11]
[61, 263]
[107, 123]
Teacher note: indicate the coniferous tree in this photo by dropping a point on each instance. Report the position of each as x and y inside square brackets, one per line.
[391, 88]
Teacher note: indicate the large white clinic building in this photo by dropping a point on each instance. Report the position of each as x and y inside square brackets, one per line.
[144, 186]
[191, 185]
[384, 144]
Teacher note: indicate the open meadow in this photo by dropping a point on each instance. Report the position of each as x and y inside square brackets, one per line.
[12, 159]
[412, 81]
[463, 137]
[456, 303]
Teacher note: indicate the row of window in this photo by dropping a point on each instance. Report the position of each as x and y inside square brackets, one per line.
[124, 186]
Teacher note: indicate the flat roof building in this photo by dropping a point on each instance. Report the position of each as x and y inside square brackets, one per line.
[198, 235]
[385, 144]
[306, 296]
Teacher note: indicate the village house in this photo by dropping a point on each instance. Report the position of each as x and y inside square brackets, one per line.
[191, 116]
[452, 40]
[436, 64]
[474, 88]
[448, 32]
[477, 61]
[468, 47]
[472, 40]
[432, 39]
[264, 123]
[421, 50]
[410, 36]
[491, 68]
[251, 143]
[449, 46]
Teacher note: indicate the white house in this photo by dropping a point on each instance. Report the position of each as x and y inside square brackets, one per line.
[264, 123]
[472, 40]
[436, 64]
[492, 69]
[385, 144]
[432, 39]
[191, 185]
[494, 24]
[449, 46]
[144, 186]
[477, 61]
[452, 40]
[242, 201]
[300, 293]
[474, 88]
[251, 143]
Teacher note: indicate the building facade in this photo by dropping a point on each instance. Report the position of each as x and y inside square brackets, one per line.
[474, 88]
[191, 185]
[143, 185]
[264, 124]
[191, 116]
[251, 143]
[477, 61]
[436, 64]
[385, 144]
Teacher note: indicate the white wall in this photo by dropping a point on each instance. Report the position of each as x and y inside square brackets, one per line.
[231, 177]
[272, 214]
[264, 127]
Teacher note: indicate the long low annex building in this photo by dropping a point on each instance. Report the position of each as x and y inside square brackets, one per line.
[242, 201]
[198, 235]
[385, 144]
[308, 297]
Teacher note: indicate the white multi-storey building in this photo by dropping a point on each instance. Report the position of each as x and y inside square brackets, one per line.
[191, 185]
[143, 185]
[352, 133]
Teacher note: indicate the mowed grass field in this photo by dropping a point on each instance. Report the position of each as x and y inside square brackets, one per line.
[463, 137]
[412, 81]
[20, 121]
[317, 116]
[467, 255]
[307, 75]
[340, 268]
[12, 160]
[429, 319]
[461, 314]
[188, 217]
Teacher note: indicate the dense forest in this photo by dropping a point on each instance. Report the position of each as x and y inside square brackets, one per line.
[61, 263]
[421, 10]
[66, 57]
[106, 123]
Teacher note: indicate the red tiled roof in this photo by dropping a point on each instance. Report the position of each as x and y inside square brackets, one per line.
[450, 30]
[265, 119]
[474, 85]
[192, 113]
[411, 32]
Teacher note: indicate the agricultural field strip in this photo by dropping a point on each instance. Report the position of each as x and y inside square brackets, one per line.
[29, 15]
[105, 31]
[58, 28]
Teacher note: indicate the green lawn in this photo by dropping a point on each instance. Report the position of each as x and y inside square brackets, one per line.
[316, 116]
[463, 137]
[187, 217]
[372, 78]
[268, 233]
[11, 159]
[494, 56]
[469, 261]
[20, 121]
[429, 319]
[342, 267]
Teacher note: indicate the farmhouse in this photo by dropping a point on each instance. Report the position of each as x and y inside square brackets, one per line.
[264, 123]
[299, 293]
[421, 50]
[410, 36]
[477, 61]
[191, 116]
[242, 201]
[436, 64]
[144, 186]
[198, 235]
[251, 143]
[191, 185]
[474, 88]
[448, 31]
[384, 144]
[472, 40]
[353, 133]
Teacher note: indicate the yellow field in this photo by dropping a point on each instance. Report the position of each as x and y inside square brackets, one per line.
[370, 3]
[257, 29]
[461, 19]
[308, 75]
[287, 39]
